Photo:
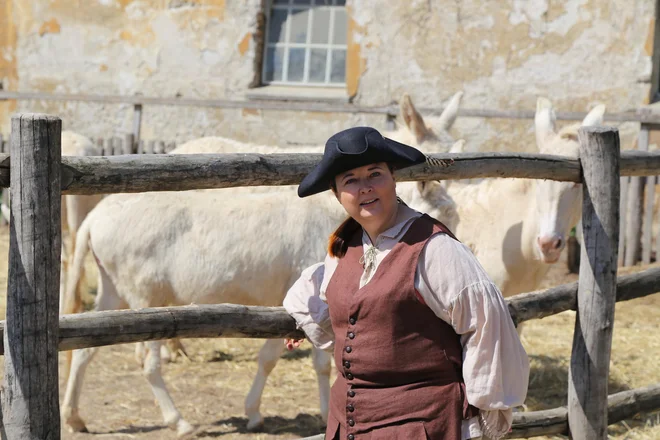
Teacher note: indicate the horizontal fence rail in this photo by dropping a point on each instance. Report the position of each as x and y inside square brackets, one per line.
[643, 114]
[94, 329]
[620, 406]
[182, 172]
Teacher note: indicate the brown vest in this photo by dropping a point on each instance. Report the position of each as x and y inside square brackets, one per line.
[399, 365]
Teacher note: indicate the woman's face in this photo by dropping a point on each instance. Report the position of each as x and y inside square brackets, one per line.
[368, 193]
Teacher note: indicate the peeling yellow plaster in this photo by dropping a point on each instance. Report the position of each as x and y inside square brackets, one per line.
[143, 37]
[648, 45]
[250, 112]
[244, 45]
[51, 26]
[356, 65]
[103, 68]
[8, 70]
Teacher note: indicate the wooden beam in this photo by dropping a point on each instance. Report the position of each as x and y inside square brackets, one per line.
[620, 406]
[30, 403]
[83, 330]
[594, 322]
[642, 114]
[138, 173]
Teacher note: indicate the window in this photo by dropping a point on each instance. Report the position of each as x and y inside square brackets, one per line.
[306, 43]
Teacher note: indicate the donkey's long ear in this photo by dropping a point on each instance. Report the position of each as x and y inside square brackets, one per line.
[448, 116]
[544, 121]
[413, 119]
[595, 116]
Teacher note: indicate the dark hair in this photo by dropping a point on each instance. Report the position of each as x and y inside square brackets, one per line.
[338, 241]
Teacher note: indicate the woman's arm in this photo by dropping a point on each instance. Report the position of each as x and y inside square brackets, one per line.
[495, 365]
[303, 302]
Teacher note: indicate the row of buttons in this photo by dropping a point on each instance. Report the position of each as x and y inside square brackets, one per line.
[347, 365]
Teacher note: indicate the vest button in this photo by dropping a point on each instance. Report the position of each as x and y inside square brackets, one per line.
[349, 376]
[352, 321]
[348, 349]
[351, 437]
[351, 422]
[347, 365]
[351, 393]
[350, 407]
[351, 335]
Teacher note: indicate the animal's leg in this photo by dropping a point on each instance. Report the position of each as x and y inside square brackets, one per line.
[140, 353]
[168, 351]
[152, 372]
[107, 299]
[268, 357]
[323, 364]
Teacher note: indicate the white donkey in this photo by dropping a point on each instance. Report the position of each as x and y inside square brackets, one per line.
[151, 250]
[518, 227]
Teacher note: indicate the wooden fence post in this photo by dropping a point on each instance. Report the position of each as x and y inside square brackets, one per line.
[647, 227]
[129, 144]
[99, 147]
[623, 214]
[117, 146]
[137, 122]
[30, 404]
[635, 204]
[592, 340]
[108, 147]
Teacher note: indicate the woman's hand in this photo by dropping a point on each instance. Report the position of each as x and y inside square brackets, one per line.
[292, 344]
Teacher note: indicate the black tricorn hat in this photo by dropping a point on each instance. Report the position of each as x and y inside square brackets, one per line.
[353, 148]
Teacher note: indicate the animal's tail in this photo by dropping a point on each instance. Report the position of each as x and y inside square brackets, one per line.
[72, 302]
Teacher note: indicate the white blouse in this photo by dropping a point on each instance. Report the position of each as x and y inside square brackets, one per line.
[457, 289]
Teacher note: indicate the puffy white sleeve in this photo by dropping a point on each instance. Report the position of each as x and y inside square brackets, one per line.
[495, 365]
[304, 302]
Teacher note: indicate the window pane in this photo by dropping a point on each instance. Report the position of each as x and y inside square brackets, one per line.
[299, 26]
[338, 66]
[320, 26]
[340, 27]
[340, 2]
[296, 64]
[323, 2]
[274, 62]
[317, 63]
[277, 27]
[281, 2]
[302, 2]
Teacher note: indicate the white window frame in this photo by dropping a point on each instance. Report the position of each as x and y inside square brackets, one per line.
[307, 45]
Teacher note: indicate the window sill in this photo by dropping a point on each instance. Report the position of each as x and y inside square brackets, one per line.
[293, 93]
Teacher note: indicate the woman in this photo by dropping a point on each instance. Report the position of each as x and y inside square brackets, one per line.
[423, 340]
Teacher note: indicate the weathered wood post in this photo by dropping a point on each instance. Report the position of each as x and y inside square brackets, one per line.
[30, 406]
[647, 229]
[592, 340]
[635, 204]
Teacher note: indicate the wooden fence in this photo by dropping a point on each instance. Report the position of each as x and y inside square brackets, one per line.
[636, 241]
[33, 333]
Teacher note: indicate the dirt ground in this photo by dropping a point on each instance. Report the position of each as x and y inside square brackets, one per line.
[210, 388]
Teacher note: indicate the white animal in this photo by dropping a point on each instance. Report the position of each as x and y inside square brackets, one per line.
[518, 227]
[213, 246]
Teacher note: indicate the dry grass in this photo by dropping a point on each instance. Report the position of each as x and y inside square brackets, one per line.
[209, 390]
